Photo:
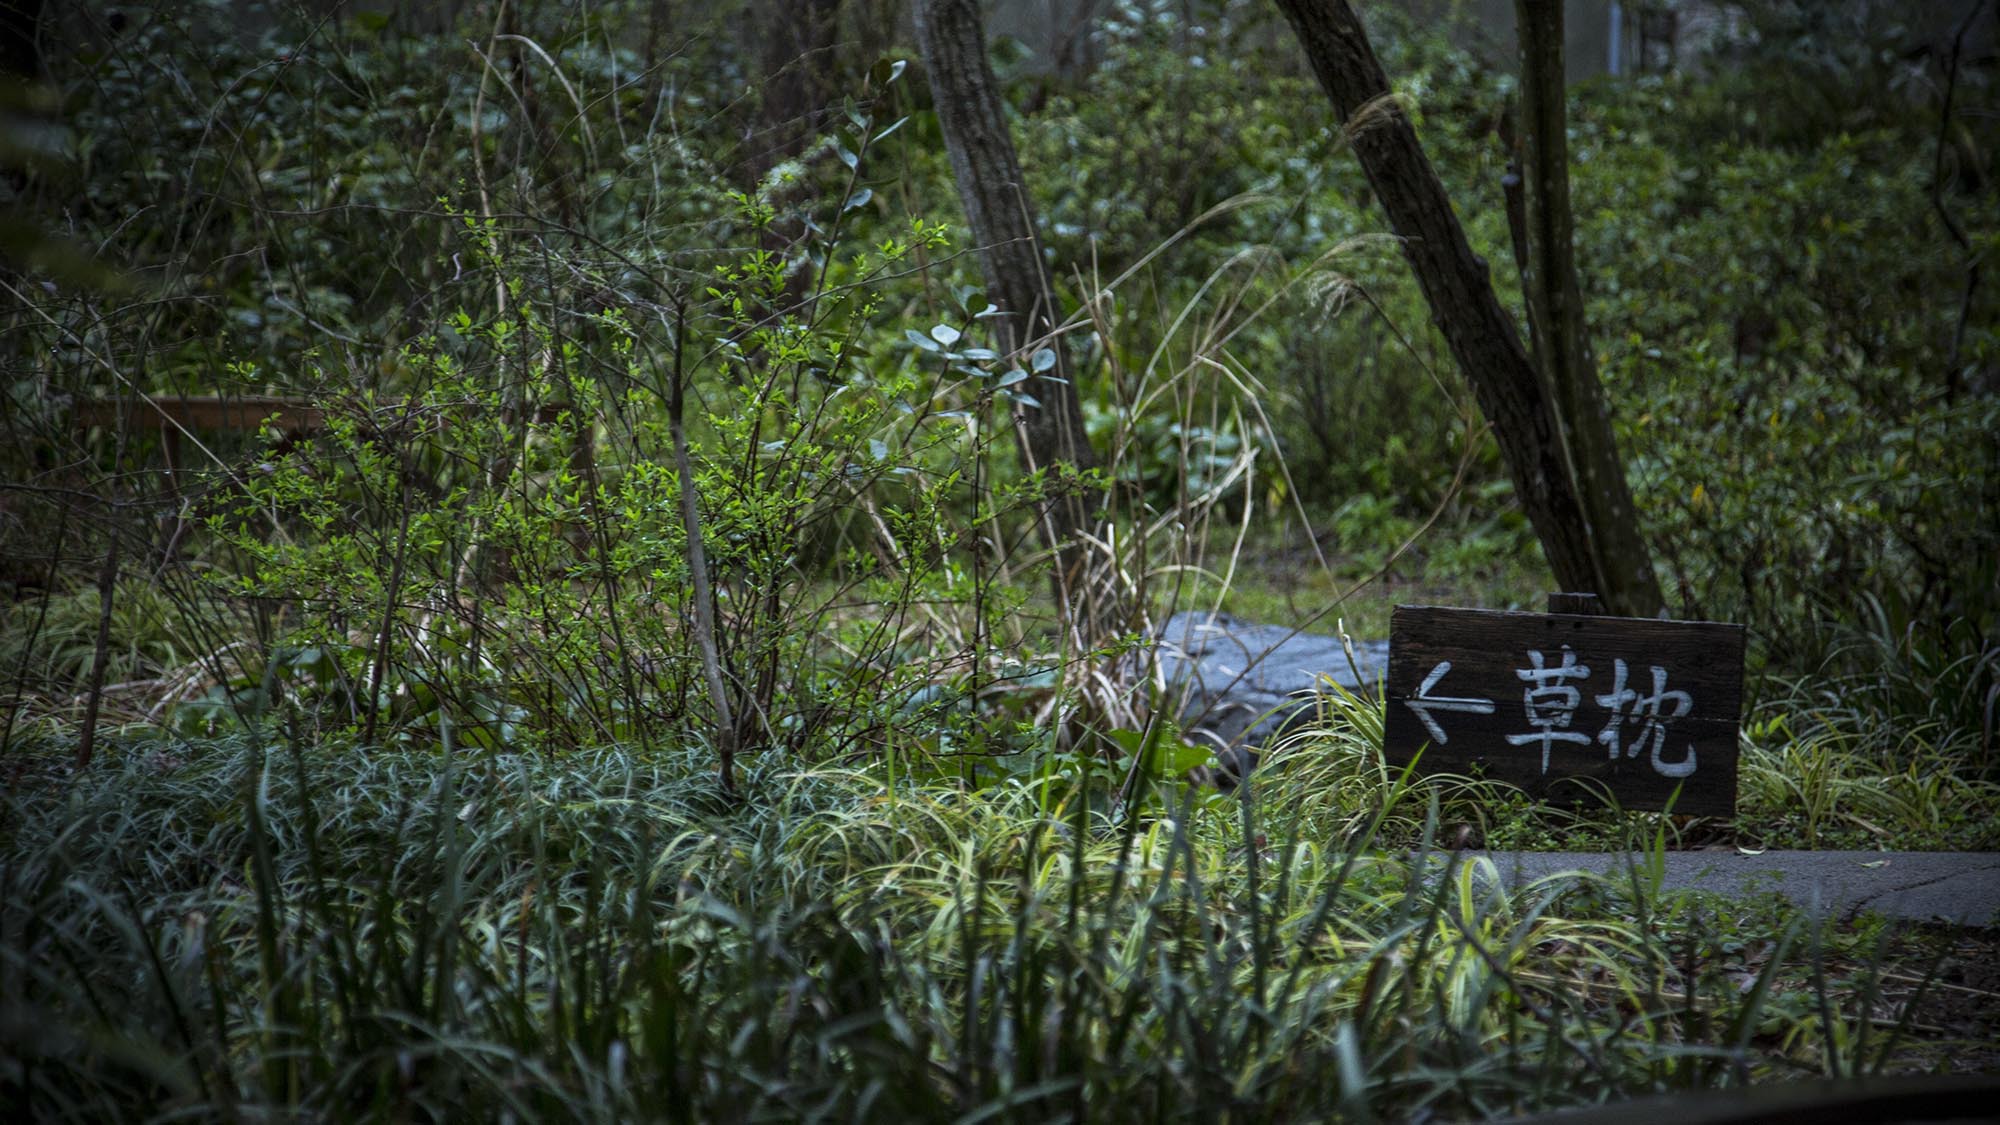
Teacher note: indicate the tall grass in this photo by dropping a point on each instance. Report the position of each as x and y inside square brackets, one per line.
[234, 930]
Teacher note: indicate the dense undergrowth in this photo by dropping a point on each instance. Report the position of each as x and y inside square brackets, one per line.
[233, 927]
[406, 800]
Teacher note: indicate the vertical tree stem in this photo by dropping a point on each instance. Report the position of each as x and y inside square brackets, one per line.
[1624, 568]
[107, 585]
[697, 558]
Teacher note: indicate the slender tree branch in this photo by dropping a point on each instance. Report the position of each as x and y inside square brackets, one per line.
[726, 733]
[1951, 224]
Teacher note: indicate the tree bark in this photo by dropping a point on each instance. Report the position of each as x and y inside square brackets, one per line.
[1483, 339]
[20, 50]
[1051, 434]
[1625, 578]
[799, 64]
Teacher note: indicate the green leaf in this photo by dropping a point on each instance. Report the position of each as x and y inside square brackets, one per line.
[886, 71]
[1169, 756]
[1043, 360]
[1180, 755]
[945, 334]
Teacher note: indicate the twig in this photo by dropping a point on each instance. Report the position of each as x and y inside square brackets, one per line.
[697, 557]
[1906, 978]
[107, 583]
[35, 631]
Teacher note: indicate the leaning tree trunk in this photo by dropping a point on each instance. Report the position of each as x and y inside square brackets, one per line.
[1625, 578]
[1051, 434]
[1484, 341]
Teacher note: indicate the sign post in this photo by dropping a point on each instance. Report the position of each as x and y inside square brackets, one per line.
[1631, 706]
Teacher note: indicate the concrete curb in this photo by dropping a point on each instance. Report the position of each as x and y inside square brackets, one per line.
[1958, 888]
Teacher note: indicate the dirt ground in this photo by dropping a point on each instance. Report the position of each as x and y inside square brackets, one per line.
[1953, 1020]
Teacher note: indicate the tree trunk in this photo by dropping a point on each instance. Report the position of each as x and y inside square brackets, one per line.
[20, 50]
[1484, 340]
[997, 210]
[1625, 578]
[799, 68]
[1069, 35]
[799, 65]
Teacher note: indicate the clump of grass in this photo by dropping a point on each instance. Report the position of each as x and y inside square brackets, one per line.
[1846, 778]
[1810, 777]
[48, 642]
[239, 929]
[1887, 743]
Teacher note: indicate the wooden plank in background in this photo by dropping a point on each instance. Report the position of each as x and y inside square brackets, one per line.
[202, 412]
[236, 412]
[1537, 700]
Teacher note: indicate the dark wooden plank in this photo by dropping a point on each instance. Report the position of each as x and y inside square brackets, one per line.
[1535, 700]
[203, 412]
[234, 412]
[1575, 603]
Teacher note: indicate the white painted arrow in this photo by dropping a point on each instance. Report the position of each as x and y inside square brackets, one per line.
[1425, 703]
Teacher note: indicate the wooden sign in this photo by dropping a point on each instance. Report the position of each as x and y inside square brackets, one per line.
[1633, 706]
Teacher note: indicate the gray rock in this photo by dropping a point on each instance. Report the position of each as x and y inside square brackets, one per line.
[1245, 683]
